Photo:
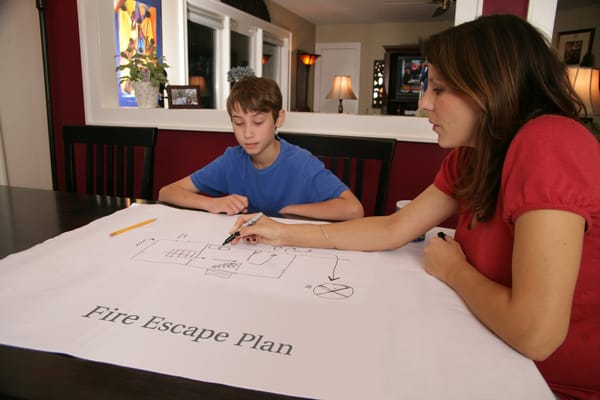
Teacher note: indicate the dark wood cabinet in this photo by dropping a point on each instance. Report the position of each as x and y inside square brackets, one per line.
[402, 70]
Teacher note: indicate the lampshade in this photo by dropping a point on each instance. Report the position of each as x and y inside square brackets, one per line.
[586, 81]
[341, 88]
[266, 58]
[307, 58]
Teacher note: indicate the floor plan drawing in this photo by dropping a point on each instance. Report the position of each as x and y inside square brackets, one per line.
[226, 261]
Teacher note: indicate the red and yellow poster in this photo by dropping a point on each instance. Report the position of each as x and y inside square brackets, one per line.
[138, 29]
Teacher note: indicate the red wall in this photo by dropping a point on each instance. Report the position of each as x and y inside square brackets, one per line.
[65, 73]
[516, 7]
[178, 153]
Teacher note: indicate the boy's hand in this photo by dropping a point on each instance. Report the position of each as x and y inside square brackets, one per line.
[230, 205]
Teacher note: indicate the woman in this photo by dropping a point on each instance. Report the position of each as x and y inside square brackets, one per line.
[524, 178]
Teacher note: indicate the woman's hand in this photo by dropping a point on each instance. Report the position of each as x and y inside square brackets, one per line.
[442, 256]
[265, 230]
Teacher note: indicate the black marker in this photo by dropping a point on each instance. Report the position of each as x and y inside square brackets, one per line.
[250, 222]
[442, 235]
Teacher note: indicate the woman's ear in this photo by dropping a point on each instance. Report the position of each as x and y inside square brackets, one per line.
[280, 118]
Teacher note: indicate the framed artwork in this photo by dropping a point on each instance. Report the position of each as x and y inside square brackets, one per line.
[184, 96]
[138, 29]
[572, 46]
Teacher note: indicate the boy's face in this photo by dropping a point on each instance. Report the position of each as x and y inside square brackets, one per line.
[255, 131]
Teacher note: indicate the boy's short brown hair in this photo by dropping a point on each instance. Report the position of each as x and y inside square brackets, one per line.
[252, 93]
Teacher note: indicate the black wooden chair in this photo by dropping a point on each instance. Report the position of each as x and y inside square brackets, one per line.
[110, 155]
[351, 153]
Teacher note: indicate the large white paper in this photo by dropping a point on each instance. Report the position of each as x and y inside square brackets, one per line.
[167, 297]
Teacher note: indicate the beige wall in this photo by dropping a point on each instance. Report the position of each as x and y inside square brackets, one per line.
[580, 18]
[23, 127]
[303, 38]
[372, 38]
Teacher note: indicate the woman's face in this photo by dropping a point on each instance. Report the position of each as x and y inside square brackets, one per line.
[454, 116]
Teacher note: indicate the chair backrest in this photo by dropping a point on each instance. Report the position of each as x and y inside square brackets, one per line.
[352, 152]
[109, 159]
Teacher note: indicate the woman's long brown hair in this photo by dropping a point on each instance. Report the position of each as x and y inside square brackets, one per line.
[507, 67]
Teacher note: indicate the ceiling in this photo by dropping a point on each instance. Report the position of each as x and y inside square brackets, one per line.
[366, 11]
[375, 11]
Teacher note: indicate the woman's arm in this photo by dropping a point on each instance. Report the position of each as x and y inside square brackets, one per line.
[429, 209]
[342, 208]
[183, 193]
[532, 316]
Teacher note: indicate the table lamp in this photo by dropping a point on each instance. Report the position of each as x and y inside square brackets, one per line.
[341, 88]
[585, 81]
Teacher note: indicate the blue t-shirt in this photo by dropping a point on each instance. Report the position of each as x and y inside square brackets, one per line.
[295, 177]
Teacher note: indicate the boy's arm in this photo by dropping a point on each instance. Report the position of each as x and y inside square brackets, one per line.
[183, 193]
[344, 207]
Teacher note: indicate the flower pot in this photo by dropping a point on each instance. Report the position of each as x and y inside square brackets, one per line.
[146, 95]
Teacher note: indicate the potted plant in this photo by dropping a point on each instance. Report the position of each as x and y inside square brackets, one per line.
[237, 73]
[146, 73]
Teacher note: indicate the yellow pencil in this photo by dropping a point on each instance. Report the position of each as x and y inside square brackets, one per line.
[146, 222]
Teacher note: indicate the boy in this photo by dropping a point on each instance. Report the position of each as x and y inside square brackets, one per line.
[264, 172]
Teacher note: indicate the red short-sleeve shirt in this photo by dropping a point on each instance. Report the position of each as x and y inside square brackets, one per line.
[552, 163]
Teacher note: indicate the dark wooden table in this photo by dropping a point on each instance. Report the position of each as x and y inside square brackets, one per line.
[30, 216]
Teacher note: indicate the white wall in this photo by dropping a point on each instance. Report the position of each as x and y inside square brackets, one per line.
[24, 145]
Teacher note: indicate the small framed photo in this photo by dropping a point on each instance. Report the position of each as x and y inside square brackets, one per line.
[572, 46]
[183, 96]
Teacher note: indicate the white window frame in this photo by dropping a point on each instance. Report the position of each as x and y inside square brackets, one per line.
[97, 38]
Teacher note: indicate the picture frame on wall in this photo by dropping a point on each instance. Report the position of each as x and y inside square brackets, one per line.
[184, 96]
[572, 46]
